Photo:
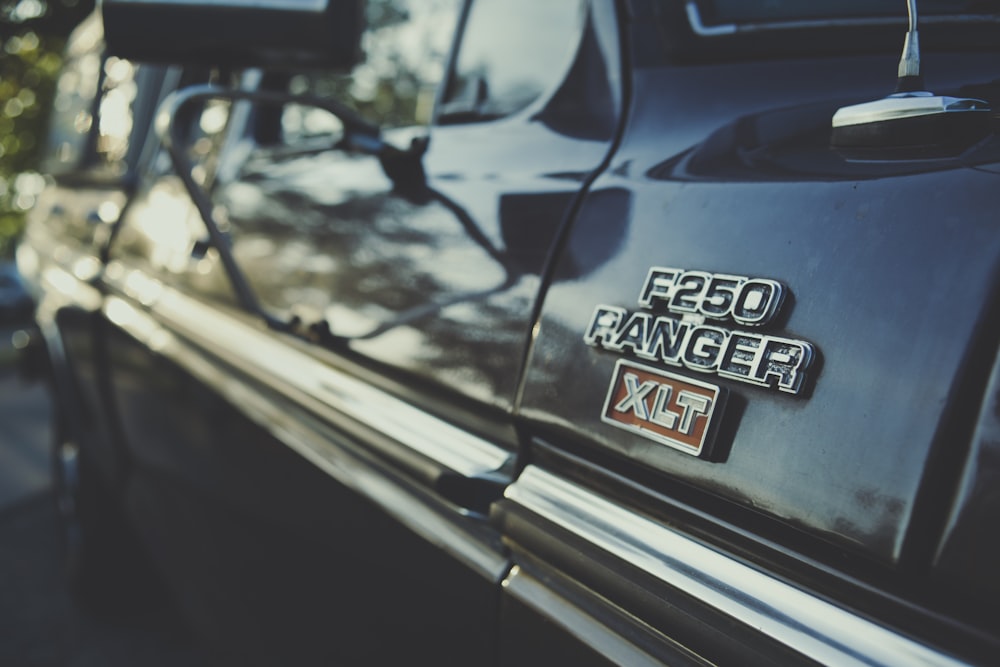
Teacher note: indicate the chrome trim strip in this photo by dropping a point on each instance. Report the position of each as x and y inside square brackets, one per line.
[469, 542]
[575, 621]
[805, 623]
[702, 30]
[71, 289]
[258, 350]
[56, 271]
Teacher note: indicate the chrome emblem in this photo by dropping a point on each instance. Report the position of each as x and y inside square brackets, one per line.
[670, 409]
[686, 321]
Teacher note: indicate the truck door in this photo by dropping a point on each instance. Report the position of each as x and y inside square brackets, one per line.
[317, 480]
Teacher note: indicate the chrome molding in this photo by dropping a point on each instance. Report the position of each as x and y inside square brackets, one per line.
[803, 622]
[56, 272]
[69, 288]
[469, 542]
[584, 627]
[260, 352]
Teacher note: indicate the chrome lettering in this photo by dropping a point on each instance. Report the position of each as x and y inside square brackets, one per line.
[604, 324]
[661, 414]
[703, 348]
[659, 285]
[759, 359]
[748, 301]
[635, 400]
[781, 363]
[665, 341]
[694, 406]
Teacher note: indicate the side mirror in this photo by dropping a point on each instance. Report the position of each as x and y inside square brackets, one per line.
[273, 34]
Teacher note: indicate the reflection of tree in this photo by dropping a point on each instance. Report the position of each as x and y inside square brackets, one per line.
[405, 47]
[404, 283]
[364, 249]
[32, 34]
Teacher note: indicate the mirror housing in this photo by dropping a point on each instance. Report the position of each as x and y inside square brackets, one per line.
[274, 34]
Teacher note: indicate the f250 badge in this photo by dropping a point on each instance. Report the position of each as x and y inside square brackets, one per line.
[685, 322]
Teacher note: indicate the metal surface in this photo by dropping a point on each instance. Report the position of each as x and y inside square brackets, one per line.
[267, 355]
[906, 105]
[314, 444]
[712, 187]
[814, 627]
[909, 62]
[315, 448]
[583, 628]
[969, 545]
[443, 288]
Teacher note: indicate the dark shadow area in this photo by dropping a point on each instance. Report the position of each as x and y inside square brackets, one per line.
[41, 624]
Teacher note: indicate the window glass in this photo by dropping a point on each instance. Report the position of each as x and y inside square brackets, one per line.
[512, 52]
[164, 235]
[405, 45]
[204, 136]
[163, 232]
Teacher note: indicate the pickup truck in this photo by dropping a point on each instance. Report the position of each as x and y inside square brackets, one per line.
[506, 332]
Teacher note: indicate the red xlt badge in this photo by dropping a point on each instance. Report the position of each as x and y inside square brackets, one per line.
[670, 409]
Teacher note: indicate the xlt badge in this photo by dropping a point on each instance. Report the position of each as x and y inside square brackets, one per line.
[670, 409]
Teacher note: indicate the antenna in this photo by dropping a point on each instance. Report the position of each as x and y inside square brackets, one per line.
[912, 117]
[910, 78]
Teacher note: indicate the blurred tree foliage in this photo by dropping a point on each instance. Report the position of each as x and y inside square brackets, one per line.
[32, 36]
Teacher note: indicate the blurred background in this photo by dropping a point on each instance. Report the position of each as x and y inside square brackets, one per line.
[41, 623]
[32, 36]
